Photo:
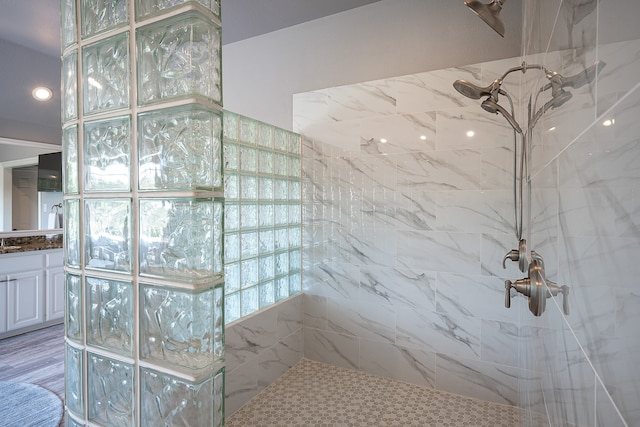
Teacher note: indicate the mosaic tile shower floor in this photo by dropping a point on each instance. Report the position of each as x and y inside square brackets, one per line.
[316, 394]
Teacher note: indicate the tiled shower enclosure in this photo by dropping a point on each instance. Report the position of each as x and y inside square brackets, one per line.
[142, 132]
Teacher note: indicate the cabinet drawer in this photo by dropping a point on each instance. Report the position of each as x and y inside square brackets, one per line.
[16, 263]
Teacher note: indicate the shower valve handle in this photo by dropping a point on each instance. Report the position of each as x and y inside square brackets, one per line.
[517, 255]
[554, 289]
[513, 255]
[521, 285]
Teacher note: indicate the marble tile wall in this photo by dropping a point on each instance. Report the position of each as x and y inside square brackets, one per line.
[585, 183]
[259, 348]
[403, 240]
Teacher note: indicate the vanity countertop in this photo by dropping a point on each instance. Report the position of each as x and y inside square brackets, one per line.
[10, 245]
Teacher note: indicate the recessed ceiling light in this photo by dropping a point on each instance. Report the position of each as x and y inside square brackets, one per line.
[470, 133]
[552, 128]
[423, 137]
[42, 93]
[383, 140]
[609, 122]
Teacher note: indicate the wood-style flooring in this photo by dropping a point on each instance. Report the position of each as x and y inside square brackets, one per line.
[35, 357]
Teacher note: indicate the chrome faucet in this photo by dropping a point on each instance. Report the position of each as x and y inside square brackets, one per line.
[517, 255]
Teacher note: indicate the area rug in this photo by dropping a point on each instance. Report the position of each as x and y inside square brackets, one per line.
[23, 405]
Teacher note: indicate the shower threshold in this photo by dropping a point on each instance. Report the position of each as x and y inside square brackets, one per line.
[316, 394]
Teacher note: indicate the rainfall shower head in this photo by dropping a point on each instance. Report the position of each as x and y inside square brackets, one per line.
[490, 105]
[472, 91]
[489, 13]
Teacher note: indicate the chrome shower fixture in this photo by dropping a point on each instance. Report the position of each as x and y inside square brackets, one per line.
[489, 13]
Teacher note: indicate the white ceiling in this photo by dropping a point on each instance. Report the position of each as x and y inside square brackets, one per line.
[30, 52]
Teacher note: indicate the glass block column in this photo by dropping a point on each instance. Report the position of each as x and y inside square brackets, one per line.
[143, 204]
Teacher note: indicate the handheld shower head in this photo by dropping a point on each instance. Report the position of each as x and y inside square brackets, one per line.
[491, 106]
[489, 13]
[582, 78]
[470, 90]
[558, 99]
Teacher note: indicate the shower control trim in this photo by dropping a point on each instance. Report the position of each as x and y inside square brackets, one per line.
[517, 255]
[537, 288]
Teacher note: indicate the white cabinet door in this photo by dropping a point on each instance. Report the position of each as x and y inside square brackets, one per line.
[55, 293]
[25, 299]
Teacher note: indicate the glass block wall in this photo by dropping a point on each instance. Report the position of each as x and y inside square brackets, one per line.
[143, 203]
[262, 229]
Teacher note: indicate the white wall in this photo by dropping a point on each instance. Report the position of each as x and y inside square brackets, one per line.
[384, 39]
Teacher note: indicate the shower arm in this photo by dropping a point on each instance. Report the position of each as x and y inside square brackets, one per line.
[524, 67]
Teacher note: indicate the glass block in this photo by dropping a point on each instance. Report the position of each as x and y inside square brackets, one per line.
[281, 211]
[73, 307]
[99, 16]
[265, 135]
[110, 391]
[282, 263]
[231, 121]
[70, 87]
[231, 247]
[230, 156]
[294, 260]
[266, 241]
[282, 288]
[231, 216]
[249, 244]
[181, 239]
[179, 57]
[248, 130]
[266, 267]
[181, 329]
[265, 190]
[294, 190]
[70, 422]
[231, 307]
[148, 8]
[295, 142]
[68, 26]
[248, 273]
[107, 234]
[107, 155]
[231, 186]
[281, 165]
[281, 142]
[218, 395]
[179, 149]
[249, 300]
[70, 160]
[265, 162]
[231, 277]
[72, 233]
[248, 159]
[109, 314]
[105, 74]
[295, 214]
[294, 166]
[248, 187]
[295, 283]
[248, 215]
[281, 239]
[73, 380]
[294, 237]
[267, 294]
[266, 215]
[166, 400]
[281, 190]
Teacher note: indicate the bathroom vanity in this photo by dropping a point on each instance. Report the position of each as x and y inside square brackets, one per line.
[31, 282]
